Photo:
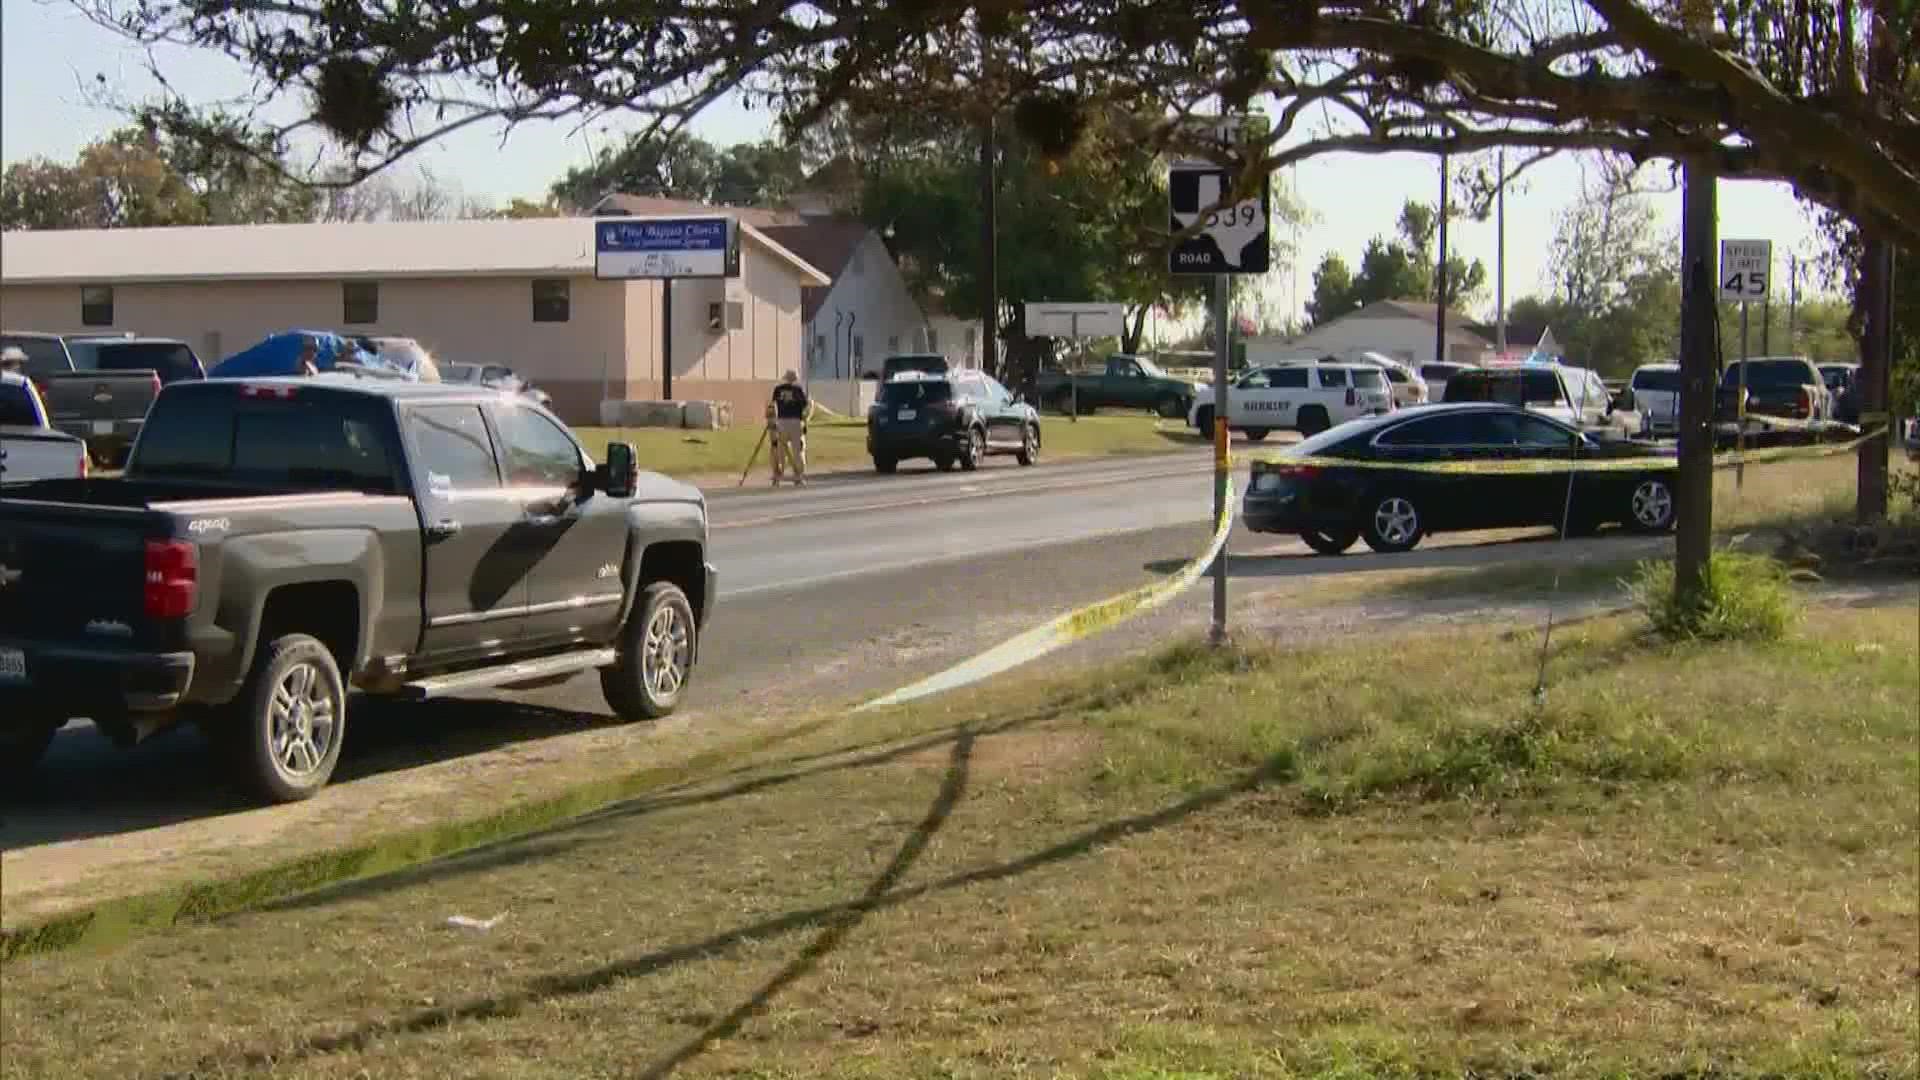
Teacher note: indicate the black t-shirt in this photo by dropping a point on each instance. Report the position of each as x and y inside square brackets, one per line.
[789, 402]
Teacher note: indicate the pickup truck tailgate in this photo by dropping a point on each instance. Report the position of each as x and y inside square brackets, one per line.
[74, 573]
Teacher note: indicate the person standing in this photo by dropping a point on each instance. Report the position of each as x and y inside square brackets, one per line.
[788, 412]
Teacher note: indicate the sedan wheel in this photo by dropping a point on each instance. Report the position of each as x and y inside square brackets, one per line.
[1651, 509]
[973, 450]
[1029, 445]
[1394, 525]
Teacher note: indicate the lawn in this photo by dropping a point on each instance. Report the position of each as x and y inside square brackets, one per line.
[842, 444]
[1348, 861]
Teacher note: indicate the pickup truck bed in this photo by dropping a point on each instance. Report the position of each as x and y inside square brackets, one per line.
[269, 550]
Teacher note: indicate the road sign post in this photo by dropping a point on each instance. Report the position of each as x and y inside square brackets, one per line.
[1746, 275]
[1079, 322]
[1232, 239]
[663, 250]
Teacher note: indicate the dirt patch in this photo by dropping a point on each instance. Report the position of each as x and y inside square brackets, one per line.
[1023, 754]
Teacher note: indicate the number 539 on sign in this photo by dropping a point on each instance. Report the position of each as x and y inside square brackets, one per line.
[1245, 213]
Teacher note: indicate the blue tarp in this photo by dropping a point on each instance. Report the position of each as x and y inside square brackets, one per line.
[279, 354]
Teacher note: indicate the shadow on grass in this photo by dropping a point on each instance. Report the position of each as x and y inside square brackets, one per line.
[1542, 551]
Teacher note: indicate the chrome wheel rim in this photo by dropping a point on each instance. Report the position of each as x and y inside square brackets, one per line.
[974, 445]
[1652, 502]
[665, 651]
[305, 720]
[1032, 440]
[1395, 520]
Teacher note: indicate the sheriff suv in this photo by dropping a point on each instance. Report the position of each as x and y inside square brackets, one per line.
[954, 418]
[1304, 397]
[277, 542]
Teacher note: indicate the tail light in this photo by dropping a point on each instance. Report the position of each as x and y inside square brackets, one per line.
[1298, 472]
[1806, 402]
[156, 383]
[173, 579]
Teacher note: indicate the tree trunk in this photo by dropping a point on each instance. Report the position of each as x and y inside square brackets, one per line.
[1699, 372]
[1134, 329]
[1876, 367]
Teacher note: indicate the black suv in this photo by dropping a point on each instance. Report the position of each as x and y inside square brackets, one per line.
[959, 417]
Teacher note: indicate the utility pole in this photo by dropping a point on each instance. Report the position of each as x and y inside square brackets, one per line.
[989, 225]
[1440, 275]
[1876, 290]
[1699, 371]
[1222, 351]
[1500, 259]
[1793, 302]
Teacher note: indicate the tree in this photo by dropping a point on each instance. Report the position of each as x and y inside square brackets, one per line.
[1399, 268]
[383, 198]
[685, 167]
[135, 177]
[1772, 90]
[1604, 238]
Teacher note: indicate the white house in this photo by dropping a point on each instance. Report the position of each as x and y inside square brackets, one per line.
[1401, 329]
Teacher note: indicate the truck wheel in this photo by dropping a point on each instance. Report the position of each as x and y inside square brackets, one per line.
[1255, 434]
[1313, 420]
[287, 725]
[1171, 407]
[656, 650]
[884, 464]
[1203, 419]
[1029, 445]
[22, 746]
[972, 449]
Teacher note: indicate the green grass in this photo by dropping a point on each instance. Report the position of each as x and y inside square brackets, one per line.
[834, 445]
[1355, 860]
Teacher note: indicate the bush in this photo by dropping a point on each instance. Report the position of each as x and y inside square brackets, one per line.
[1747, 598]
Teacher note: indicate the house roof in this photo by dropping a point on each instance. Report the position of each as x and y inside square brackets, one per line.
[1417, 309]
[759, 217]
[1519, 334]
[828, 244]
[380, 249]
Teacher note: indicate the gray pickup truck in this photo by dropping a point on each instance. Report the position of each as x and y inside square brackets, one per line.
[276, 543]
[98, 387]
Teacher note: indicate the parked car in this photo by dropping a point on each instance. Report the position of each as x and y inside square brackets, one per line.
[494, 377]
[277, 542]
[1656, 396]
[954, 418]
[103, 405]
[1308, 398]
[1409, 386]
[31, 448]
[1126, 382]
[1574, 396]
[1436, 376]
[1783, 386]
[1330, 506]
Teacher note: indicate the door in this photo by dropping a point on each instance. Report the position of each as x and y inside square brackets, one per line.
[1125, 384]
[476, 583]
[1267, 398]
[576, 540]
[1542, 498]
[1446, 500]
[1005, 425]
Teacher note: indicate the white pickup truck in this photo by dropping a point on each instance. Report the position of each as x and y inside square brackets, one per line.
[31, 448]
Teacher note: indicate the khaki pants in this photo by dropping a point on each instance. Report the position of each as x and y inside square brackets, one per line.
[790, 448]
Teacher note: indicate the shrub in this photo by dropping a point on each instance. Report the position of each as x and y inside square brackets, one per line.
[1746, 598]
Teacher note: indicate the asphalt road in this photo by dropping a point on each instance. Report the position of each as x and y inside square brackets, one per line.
[846, 589]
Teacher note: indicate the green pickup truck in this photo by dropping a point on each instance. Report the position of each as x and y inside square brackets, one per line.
[1129, 382]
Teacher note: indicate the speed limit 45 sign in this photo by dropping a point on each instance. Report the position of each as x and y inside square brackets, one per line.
[1746, 270]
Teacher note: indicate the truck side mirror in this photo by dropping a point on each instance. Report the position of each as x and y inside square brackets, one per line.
[621, 472]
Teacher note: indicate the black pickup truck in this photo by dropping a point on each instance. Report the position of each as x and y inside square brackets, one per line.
[99, 387]
[276, 543]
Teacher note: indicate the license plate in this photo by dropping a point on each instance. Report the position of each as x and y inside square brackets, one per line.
[906, 414]
[103, 427]
[13, 665]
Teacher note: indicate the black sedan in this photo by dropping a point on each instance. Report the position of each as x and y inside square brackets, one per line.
[1330, 505]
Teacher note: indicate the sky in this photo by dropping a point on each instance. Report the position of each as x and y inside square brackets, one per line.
[49, 52]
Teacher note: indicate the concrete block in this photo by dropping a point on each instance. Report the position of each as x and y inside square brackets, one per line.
[709, 415]
[668, 414]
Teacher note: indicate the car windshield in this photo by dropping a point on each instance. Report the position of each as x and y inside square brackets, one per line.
[1769, 374]
[916, 392]
[1149, 368]
[1368, 378]
[1837, 374]
[1505, 387]
[170, 359]
[1662, 380]
[459, 373]
[16, 408]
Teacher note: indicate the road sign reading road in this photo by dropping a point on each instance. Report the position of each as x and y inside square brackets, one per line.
[1746, 270]
[1235, 238]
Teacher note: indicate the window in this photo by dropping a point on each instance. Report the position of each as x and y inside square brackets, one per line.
[312, 440]
[536, 451]
[1125, 369]
[1662, 380]
[96, 305]
[170, 360]
[916, 392]
[16, 405]
[1772, 374]
[552, 300]
[1332, 376]
[44, 355]
[1258, 379]
[1454, 429]
[858, 347]
[997, 391]
[1369, 379]
[819, 349]
[455, 451]
[1533, 432]
[360, 302]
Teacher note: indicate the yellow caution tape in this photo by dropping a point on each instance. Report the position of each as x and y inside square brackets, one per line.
[1536, 466]
[1068, 628]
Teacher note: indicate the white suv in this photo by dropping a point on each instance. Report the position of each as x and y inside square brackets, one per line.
[1304, 397]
